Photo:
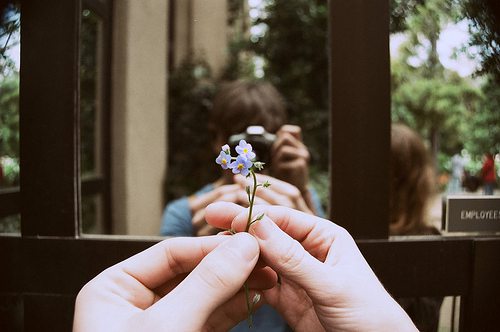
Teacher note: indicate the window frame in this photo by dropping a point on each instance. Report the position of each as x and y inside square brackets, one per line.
[50, 261]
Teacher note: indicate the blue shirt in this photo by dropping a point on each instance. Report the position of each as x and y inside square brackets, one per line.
[177, 218]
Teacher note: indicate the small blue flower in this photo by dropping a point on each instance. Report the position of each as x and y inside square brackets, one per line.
[245, 149]
[226, 149]
[223, 159]
[241, 165]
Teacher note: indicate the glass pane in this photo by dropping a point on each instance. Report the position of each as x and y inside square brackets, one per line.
[445, 76]
[11, 224]
[254, 44]
[91, 102]
[10, 42]
[92, 215]
[92, 119]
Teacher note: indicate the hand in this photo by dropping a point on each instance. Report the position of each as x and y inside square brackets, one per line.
[226, 193]
[279, 193]
[290, 157]
[151, 292]
[326, 284]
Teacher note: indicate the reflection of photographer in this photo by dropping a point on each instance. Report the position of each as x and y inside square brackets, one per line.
[256, 112]
[285, 148]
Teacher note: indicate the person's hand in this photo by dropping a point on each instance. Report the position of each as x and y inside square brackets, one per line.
[290, 157]
[233, 193]
[151, 292]
[326, 284]
[278, 193]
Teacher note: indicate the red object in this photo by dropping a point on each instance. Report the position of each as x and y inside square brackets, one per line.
[488, 170]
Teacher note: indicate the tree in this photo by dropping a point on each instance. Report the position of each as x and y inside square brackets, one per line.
[485, 18]
[484, 133]
[400, 10]
[440, 109]
[435, 101]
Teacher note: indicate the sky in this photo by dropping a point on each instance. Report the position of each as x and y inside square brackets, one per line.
[453, 36]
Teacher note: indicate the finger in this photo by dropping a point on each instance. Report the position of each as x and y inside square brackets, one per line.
[314, 233]
[165, 260]
[207, 230]
[287, 138]
[221, 214]
[232, 312]
[291, 192]
[287, 153]
[293, 130]
[198, 220]
[275, 198]
[290, 166]
[277, 185]
[239, 197]
[290, 260]
[201, 201]
[261, 278]
[217, 278]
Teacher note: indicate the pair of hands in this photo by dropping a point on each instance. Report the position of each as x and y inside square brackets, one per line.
[279, 193]
[290, 177]
[192, 284]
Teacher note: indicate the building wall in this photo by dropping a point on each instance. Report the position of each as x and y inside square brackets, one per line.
[139, 115]
[200, 30]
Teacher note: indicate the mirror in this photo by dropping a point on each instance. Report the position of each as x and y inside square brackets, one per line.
[445, 76]
[151, 119]
[165, 67]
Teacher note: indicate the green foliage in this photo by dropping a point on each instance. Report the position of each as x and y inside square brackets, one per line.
[485, 18]
[9, 117]
[400, 10]
[9, 130]
[10, 24]
[9, 97]
[443, 105]
[484, 133]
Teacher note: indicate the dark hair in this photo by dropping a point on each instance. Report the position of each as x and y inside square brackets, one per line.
[412, 183]
[242, 103]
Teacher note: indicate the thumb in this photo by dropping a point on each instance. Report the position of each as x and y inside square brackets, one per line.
[289, 259]
[218, 277]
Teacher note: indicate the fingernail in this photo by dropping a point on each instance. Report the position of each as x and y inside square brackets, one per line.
[262, 228]
[244, 244]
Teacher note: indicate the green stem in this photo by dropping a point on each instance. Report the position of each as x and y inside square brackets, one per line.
[252, 198]
[249, 305]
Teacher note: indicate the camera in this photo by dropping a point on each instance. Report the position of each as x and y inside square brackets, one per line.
[260, 140]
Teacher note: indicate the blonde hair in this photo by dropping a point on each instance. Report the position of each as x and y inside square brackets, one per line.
[412, 183]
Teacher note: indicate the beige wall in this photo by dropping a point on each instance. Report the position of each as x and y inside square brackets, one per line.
[139, 99]
[201, 28]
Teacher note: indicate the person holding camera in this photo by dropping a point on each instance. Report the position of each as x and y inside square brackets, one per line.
[254, 111]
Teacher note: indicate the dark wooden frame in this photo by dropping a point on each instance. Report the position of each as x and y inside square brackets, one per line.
[43, 269]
